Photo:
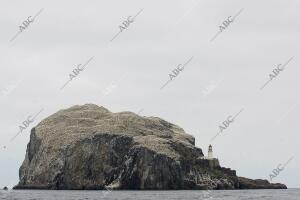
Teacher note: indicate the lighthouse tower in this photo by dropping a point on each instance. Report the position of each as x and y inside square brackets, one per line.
[210, 152]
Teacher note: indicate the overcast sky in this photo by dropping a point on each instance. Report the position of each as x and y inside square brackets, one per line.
[222, 77]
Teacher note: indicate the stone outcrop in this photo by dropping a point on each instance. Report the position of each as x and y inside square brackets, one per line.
[89, 147]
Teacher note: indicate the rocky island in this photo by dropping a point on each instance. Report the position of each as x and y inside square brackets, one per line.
[88, 147]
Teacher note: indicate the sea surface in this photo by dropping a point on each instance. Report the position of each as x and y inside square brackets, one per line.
[290, 194]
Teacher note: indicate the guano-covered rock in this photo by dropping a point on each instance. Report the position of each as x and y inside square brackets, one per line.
[89, 147]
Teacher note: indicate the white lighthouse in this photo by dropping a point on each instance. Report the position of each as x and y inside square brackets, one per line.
[210, 152]
[212, 162]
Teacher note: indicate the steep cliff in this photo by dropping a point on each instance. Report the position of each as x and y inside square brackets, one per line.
[89, 147]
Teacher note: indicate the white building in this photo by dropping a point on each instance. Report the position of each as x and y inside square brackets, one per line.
[210, 152]
[210, 155]
[212, 161]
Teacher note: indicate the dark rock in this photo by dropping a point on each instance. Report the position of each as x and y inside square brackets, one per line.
[5, 188]
[245, 183]
[88, 147]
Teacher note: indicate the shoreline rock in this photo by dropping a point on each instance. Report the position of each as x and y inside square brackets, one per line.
[90, 148]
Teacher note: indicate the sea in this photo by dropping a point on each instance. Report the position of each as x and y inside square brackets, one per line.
[289, 194]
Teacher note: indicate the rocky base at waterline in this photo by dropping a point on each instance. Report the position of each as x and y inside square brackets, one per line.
[89, 147]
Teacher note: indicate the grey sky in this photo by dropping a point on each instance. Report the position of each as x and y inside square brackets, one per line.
[126, 74]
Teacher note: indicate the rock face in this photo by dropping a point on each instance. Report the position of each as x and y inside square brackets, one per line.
[89, 147]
